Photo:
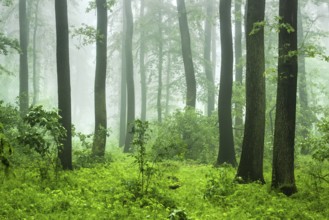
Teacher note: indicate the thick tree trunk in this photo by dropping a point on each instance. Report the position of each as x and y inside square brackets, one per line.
[63, 81]
[283, 178]
[142, 64]
[226, 145]
[251, 164]
[23, 63]
[123, 86]
[100, 80]
[207, 60]
[187, 55]
[130, 76]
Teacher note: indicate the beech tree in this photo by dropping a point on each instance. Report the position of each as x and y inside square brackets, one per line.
[283, 178]
[100, 80]
[251, 162]
[23, 61]
[187, 54]
[63, 81]
[226, 143]
[128, 35]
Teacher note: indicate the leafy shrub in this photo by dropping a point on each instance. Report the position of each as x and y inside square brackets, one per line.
[187, 135]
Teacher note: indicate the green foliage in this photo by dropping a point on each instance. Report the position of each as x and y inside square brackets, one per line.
[187, 135]
[7, 43]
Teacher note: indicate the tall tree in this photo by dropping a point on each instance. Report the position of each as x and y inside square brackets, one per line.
[226, 152]
[123, 86]
[23, 62]
[238, 121]
[130, 75]
[36, 76]
[283, 178]
[63, 81]
[206, 55]
[302, 85]
[187, 54]
[142, 62]
[160, 64]
[100, 80]
[251, 163]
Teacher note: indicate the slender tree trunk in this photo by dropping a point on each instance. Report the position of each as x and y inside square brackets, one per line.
[160, 66]
[226, 144]
[302, 85]
[168, 84]
[100, 80]
[63, 81]
[187, 55]
[214, 51]
[207, 60]
[123, 86]
[130, 76]
[251, 164]
[36, 76]
[142, 64]
[23, 63]
[283, 178]
[238, 66]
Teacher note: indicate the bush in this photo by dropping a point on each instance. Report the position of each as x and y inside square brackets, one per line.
[187, 135]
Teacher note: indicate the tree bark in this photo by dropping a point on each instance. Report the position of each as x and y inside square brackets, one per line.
[207, 60]
[142, 64]
[63, 81]
[123, 86]
[187, 55]
[226, 144]
[251, 164]
[23, 59]
[283, 178]
[100, 80]
[160, 65]
[130, 76]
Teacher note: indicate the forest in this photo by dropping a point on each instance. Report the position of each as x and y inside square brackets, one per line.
[164, 109]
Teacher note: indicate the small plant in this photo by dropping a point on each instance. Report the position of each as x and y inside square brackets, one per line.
[146, 171]
[5, 151]
[178, 214]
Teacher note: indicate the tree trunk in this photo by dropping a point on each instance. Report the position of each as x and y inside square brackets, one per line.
[226, 144]
[36, 76]
[283, 178]
[187, 55]
[160, 66]
[251, 164]
[100, 80]
[168, 83]
[207, 60]
[238, 67]
[130, 76]
[142, 64]
[23, 63]
[123, 86]
[302, 85]
[63, 81]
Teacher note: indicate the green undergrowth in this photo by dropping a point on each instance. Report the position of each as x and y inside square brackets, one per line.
[175, 190]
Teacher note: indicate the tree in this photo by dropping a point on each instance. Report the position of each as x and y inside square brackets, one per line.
[187, 55]
[63, 81]
[206, 55]
[142, 63]
[238, 122]
[130, 75]
[160, 65]
[226, 152]
[283, 178]
[100, 80]
[123, 86]
[251, 163]
[36, 77]
[23, 62]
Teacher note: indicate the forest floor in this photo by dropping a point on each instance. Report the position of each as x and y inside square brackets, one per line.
[116, 189]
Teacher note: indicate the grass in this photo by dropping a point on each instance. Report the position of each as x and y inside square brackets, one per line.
[176, 190]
